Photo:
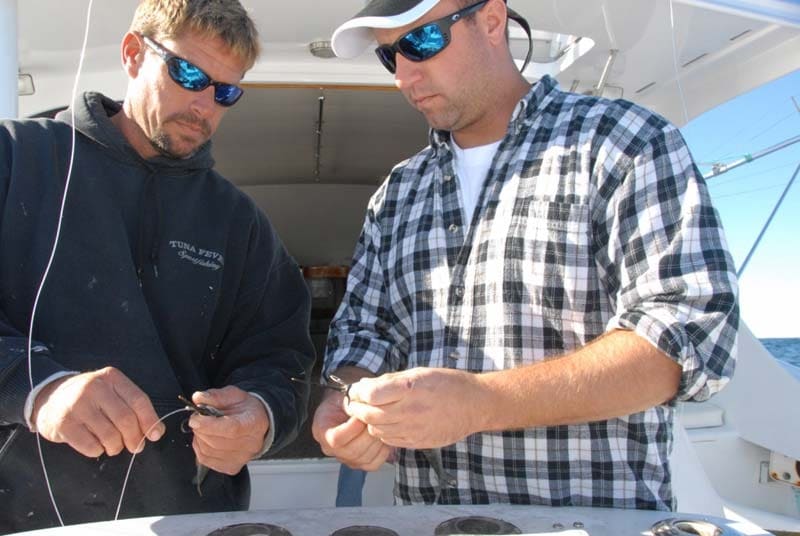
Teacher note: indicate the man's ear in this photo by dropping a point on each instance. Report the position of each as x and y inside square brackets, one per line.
[496, 17]
[133, 49]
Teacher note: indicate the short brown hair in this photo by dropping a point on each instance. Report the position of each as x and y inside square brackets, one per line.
[226, 19]
[463, 4]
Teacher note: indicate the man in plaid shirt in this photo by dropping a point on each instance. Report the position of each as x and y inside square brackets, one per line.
[533, 292]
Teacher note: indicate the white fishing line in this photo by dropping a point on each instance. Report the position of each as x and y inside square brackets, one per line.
[133, 457]
[55, 246]
[675, 62]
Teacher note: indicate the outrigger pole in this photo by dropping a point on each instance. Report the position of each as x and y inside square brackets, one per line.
[719, 168]
[769, 220]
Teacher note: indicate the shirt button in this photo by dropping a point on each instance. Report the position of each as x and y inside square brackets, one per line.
[455, 356]
[453, 228]
[460, 292]
[448, 178]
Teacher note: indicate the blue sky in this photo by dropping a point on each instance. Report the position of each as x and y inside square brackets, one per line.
[744, 197]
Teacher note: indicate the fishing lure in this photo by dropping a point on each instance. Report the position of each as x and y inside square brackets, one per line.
[202, 409]
[337, 384]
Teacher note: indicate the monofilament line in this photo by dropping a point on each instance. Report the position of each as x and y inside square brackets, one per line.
[133, 457]
[55, 246]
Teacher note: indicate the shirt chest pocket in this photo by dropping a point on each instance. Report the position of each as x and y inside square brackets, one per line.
[554, 261]
[561, 219]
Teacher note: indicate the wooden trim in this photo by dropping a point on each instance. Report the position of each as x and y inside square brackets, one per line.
[325, 272]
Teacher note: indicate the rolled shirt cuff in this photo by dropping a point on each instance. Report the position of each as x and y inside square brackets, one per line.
[28, 410]
[270, 437]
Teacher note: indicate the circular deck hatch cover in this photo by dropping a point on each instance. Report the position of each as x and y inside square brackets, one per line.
[689, 527]
[251, 529]
[476, 525]
[364, 530]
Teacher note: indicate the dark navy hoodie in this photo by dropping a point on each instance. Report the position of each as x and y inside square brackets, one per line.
[165, 271]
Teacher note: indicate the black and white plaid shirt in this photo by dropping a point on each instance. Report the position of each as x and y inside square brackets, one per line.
[593, 217]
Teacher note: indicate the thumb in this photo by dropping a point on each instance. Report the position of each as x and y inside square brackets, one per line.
[219, 398]
[383, 390]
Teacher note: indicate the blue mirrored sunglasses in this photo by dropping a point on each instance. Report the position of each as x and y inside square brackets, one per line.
[190, 76]
[425, 41]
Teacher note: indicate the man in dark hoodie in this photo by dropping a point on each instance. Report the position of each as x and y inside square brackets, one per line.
[166, 280]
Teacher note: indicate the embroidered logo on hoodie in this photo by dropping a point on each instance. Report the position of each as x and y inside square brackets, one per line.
[198, 256]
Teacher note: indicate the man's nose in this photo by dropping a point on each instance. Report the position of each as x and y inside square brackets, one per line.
[203, 104]
[407, 72]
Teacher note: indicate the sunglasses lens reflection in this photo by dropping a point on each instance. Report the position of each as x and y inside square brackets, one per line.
[188, 75]
[227, 94]
[417, 45]
[422, 43]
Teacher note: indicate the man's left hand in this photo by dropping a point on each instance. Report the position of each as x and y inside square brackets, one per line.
[226, 444]
[417, 408]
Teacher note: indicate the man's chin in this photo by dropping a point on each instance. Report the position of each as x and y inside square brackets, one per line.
[166, 147]
[189, 152]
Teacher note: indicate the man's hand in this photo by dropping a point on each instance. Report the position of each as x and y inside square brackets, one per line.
[226, 444]
[417, 408]
[345, 437]
[96, 412]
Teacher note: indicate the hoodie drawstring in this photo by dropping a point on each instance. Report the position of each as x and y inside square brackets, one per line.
[149, 201]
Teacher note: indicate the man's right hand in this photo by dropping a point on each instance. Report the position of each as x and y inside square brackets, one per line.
[345, 437]
[96, 412]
